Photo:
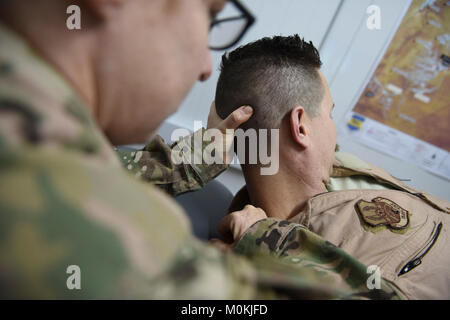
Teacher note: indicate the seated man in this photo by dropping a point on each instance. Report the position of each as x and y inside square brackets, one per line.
[400, 230]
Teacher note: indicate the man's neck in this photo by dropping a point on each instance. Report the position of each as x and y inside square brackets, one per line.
[283, 195]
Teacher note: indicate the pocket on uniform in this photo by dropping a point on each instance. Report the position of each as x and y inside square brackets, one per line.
[416, 260]
[410, 256]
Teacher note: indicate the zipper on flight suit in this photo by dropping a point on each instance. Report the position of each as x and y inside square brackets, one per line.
[417, 260]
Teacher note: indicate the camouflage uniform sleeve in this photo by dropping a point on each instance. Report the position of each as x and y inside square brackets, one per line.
[155, 164]
[295, 245]
[324, 272]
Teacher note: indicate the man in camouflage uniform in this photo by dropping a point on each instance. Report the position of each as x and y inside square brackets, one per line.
[361, 209]
[65, 199]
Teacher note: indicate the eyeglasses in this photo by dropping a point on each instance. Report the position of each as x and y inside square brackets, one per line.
[226, 32]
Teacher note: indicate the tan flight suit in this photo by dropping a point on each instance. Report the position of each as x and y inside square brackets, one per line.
[382, 222]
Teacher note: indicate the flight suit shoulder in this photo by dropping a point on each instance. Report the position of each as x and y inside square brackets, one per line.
[351, 172]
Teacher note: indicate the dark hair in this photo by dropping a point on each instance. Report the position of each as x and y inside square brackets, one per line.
[273, 75]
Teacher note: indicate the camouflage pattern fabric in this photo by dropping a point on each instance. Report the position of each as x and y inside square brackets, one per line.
[154, 164]
[292, 263]
[66, 200]
[297, 246]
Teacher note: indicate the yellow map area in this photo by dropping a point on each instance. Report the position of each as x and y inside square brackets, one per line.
[410, 89]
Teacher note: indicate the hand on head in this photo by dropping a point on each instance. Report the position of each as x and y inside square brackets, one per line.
[227, 126]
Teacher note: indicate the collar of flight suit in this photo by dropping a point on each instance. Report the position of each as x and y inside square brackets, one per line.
[40, 107]
[349, 166]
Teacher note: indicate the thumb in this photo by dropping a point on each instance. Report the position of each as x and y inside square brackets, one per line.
[236, 118]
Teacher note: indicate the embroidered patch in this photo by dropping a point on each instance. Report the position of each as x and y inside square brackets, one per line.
[382, 212]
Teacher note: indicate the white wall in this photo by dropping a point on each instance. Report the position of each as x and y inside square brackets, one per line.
[349, 51]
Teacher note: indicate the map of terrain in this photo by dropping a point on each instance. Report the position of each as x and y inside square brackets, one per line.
[410, 89]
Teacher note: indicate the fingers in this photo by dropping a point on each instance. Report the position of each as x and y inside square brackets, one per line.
[234, 225]
[235, 119]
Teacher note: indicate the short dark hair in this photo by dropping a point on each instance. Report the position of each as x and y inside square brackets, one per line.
[273, 75]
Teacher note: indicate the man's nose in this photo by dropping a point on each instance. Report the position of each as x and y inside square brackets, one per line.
[207, 67]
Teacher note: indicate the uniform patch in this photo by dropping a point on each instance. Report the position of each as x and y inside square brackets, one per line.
[382, 212]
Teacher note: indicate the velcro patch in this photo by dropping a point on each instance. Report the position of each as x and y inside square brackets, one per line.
[382, 212]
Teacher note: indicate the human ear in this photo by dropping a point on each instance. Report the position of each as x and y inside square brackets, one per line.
[299, 129]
